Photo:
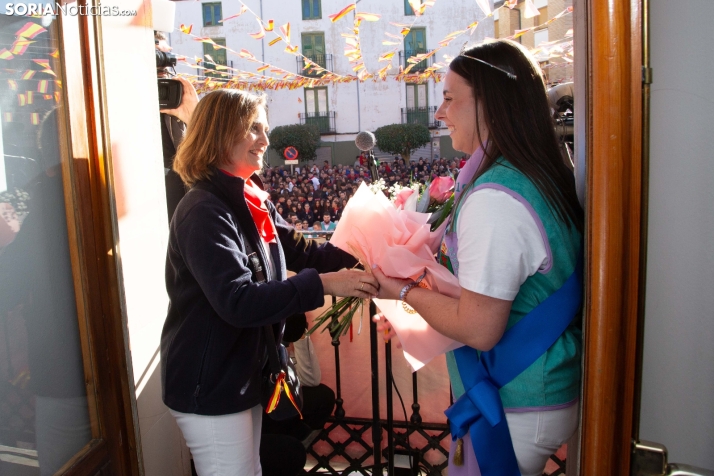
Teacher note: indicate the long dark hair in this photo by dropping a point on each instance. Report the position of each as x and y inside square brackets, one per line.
[518, 120]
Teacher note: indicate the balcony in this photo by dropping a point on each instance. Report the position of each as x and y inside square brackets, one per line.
[322, 60]
[420, 115]
[325, 121]
[419, 67]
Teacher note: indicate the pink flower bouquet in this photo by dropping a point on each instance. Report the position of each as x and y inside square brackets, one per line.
[401, 242]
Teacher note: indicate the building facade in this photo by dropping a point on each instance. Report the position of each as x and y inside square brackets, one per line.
[340, 110]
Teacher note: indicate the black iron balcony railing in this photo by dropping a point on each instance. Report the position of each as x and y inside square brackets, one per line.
[325, 121]
[418, 67]
[420, 115]
[322, 60]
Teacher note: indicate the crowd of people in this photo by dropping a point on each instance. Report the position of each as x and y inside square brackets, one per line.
[313, 198]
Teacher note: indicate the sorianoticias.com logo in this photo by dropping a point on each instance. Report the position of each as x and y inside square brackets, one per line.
[42, 9]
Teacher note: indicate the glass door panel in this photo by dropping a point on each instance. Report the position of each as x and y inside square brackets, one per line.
[44, 417]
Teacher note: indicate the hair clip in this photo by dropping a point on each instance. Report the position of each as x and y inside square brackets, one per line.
[462, 53]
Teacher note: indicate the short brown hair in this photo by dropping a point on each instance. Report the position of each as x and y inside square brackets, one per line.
[221, 118]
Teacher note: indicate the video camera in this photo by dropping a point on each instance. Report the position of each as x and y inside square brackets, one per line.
[170, 90]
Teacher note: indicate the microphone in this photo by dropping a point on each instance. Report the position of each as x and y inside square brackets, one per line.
[365, 141]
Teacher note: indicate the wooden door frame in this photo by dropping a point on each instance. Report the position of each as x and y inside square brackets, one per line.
[91, 219]
[616, 180]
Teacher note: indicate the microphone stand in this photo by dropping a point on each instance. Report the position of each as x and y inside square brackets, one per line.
[374, 338]
[372, 164]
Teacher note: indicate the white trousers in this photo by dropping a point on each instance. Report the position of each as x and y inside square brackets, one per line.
[224, 445]
[537, 435]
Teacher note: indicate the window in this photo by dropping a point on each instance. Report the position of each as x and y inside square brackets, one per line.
[417, 111]
[414, 44]
[416, 96]
[313, 47]
[219, 58]
[540, 36]
[316, 110]
[311, 10]
[212, 12]
[408, 10]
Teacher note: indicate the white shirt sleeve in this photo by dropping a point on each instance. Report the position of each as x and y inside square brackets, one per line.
[306, 363]
[499, 244]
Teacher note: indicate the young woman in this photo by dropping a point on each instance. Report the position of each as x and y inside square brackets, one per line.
[513, 240]
[213, 345]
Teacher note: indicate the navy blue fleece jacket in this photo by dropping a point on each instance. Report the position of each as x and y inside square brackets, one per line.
[212, 345]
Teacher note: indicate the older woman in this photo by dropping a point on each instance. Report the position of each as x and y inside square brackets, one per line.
[513, 241]
[226, 279]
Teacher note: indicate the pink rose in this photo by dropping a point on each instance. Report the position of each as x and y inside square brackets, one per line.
[441, 189]
[402, 197]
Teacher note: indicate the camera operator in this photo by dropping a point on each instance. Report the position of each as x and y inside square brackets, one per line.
[173, 124]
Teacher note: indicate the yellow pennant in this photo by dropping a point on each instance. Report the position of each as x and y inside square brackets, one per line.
[275, 41]
[186, 28]
[271, 25]
[367, 16]
[243, 9]
[259, 34]
[341, 14]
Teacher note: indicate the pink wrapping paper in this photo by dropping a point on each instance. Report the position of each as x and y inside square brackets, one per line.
[401, 244]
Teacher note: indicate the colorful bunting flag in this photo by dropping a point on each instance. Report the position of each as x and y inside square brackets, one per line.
[8, 117]
[342, 13]
[43, 62]
[530, 10]
[30, 30]
[272, 42]
[12, 84]
[259, 34]
[29, 95]
[360, 16]
[485, 7]
[242, 10]
[47, 97]
[35, 118]
[21, 100]
[28, 74]
[55, 53]
[271, 25]
[20, 46]
[42, 86]
[5, 54]
[187, 28]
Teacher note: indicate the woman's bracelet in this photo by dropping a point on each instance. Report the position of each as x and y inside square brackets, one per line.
[406, 289]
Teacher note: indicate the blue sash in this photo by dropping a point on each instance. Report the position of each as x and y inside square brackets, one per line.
[479, 411]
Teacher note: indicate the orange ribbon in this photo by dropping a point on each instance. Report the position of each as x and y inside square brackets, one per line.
[280, 385]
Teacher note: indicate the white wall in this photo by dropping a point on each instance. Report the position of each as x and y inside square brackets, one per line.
[678, 380]
[133, 116]
[380, 102]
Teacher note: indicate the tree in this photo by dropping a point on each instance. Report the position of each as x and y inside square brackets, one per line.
[402, 139]
[304, 137]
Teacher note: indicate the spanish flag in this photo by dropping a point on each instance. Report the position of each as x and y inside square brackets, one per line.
[57, 96]
[28, 74]
[20, 46]
[12, 83]
[45, 63]
[42, 86]
[47, 97]
[35, 118]
[8, 117]
[5, 54]
[21, 99]
[30, 30]
[29, 97]
[55, 53]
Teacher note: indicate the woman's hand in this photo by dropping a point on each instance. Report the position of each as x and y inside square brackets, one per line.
[389, 288]
[385, 329]
[350, 283]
